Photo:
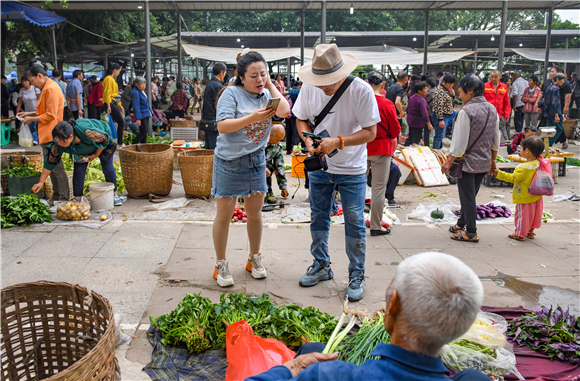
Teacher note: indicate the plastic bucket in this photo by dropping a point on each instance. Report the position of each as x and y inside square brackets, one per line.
[22, 185]
[102, 196]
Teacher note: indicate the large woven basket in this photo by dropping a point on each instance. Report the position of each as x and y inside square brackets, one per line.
[196, 172]
[182, 123]
[569, 126]
[56, 331]
[20, 159]
[149, 171]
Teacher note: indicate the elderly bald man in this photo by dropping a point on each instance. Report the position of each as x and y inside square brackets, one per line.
[433, 299]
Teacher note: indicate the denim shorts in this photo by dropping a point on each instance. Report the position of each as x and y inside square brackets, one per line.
[243, 176]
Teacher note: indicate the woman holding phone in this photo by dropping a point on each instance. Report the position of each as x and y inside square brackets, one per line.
[239, 167]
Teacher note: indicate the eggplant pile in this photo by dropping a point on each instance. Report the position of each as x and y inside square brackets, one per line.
[489, 211]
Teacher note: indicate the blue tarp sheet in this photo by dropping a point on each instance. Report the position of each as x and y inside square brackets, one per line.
[16, 12]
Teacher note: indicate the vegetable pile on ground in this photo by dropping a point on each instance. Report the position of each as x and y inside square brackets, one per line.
[24, 171]
[201, 325]
[24, 210]
[239, 214]
[550, 330]
[547, 216]
[128, 139]
[572, 161]
[357, 348]
[489, 211]
[501, 159]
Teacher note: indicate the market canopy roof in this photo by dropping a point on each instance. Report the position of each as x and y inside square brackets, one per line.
[297, 5]
[556, 55]
[16, 12]
[366, 55]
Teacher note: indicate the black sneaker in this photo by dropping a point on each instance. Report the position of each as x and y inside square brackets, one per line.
[392, 202]
[315, 274]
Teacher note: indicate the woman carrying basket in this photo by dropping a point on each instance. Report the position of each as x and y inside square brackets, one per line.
[239, 168]
[84, 140]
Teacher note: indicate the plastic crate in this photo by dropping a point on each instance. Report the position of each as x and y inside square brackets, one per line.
[184, 133]
[562, 168]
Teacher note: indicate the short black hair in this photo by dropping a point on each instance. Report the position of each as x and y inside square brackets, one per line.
[558, 76]
[218, 68]
[423, 78]
[419, 86]
[376, 78]
[448, 78]
[63, 130]
[471, 82]
[76, 73]
[414, 78]
[439, 74]
[535, 144]
[4, 77]
[402, 75]
[179, 85]
[56, 73]
[245, 61]
[431, 82]
[34, 70]
[297, 83]
[534, 78]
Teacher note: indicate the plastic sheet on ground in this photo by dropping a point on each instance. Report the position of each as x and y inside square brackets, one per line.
[93, 222]
[564, 197]
[176, 203]
[423, 212]
[301, 214]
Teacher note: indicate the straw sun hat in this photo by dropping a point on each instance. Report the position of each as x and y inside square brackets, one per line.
[328, 66]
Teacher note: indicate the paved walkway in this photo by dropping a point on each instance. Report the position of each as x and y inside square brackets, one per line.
[145, 262]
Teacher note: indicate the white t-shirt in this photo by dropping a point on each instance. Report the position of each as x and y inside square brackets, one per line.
[29, 98]
[356, 108]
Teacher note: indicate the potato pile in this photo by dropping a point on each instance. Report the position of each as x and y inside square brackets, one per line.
[73, 211]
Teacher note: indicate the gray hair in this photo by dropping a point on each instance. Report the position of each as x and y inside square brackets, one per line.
[558, 76]
[138, 80]
[440, 297]
[495, 72]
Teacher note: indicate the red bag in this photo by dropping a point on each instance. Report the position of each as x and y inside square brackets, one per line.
[249, 355]
[542, 183]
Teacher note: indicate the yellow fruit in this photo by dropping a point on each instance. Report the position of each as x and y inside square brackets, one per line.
[103, 217]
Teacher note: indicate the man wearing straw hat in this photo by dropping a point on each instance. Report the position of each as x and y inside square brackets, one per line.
[346, 128]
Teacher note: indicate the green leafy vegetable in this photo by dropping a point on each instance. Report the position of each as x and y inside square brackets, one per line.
[24, 210]
[95, 175]
[24, 171]
[357, 348]
[501, 159]
[128, 139]
[573, 162]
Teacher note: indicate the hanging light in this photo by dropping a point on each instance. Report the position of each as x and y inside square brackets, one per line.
[385, 45]
[238, 40]
[242, 46]
[156, 60]
[414, 38]
[351, 8]
[451, 44]
[132, 55]
[521, 44]
[139, 7]
[492, 38]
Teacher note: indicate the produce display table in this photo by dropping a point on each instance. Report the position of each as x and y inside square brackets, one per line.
[557, 171]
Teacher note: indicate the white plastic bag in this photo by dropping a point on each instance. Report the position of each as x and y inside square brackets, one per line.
[564, 197]
[25, 136]
[177, 203]
[120, 337]
[459, 358]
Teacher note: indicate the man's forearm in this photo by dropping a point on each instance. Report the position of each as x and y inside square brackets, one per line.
[302, 126]
[363, 136]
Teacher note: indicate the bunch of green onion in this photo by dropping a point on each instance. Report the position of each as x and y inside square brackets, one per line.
[357, 348]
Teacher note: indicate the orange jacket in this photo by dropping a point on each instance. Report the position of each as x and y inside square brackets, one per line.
[499, 99]
[49, 110]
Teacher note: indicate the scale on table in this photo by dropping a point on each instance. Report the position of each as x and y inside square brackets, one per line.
[546, 133]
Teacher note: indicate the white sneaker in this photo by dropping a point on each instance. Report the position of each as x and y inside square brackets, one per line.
[222, 274]
[254, 265]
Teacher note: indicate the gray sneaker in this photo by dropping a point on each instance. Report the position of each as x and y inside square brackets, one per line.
[355, 290]
[315, 274]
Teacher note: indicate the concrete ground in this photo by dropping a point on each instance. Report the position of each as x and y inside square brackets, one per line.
[145, 262]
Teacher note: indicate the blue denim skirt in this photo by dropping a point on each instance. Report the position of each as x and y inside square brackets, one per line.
[243, 176]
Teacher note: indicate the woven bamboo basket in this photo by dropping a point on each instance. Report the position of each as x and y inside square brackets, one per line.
[182, 123]
[49, 190]
[196, 172]
[149, 171]
[56, 331]
[20, 159]
[568, 126]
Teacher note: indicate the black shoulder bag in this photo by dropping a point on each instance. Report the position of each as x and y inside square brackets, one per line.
[456, 169]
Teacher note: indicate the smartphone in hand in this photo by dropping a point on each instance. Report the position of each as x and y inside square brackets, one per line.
[273, 103]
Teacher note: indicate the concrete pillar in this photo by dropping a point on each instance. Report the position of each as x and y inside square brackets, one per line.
[302, 14]
[148, 63]
[426, 43]
[475, 59]
[548, 43]
[197, 68]
[323, 23]
[502, 36]
[179, 57]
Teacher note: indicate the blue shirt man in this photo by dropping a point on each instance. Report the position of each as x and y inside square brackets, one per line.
[74, 91]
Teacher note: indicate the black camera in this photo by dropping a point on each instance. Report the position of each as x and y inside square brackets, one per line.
[316, 162]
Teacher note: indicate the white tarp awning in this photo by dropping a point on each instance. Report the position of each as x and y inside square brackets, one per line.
[367, 56]
[556, 55]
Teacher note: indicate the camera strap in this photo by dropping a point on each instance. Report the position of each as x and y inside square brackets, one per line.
[318, 119]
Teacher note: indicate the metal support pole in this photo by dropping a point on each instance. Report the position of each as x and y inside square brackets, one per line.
[106, 65]
[426, 44]
[323, 23]
[475, 60]
[148, 63]
[197, 68]
[55, 60]
[289, 71]
[133, 70]
[504, 12]
[179, 57]
[302, 14]
[548, 43]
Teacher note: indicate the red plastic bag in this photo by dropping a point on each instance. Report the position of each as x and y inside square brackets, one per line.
[249, 355]
[542, 184]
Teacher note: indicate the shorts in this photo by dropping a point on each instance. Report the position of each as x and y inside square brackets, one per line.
[243, 176]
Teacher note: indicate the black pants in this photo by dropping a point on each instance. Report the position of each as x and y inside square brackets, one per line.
[519, 119]
[94, 112]
[5, 111]
[468, 187]
[120, 120]
[142, 135]
[179, 113]
[394, 176]
[76, 114]
[210, 139]
[415, 136]
[292, 137]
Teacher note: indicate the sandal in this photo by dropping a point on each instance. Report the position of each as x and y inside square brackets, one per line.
[513, 236]
[455, 229]
[464, 236]
[531, 235]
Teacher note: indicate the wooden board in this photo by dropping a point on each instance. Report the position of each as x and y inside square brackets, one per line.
[405, 169]
[426, 166]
